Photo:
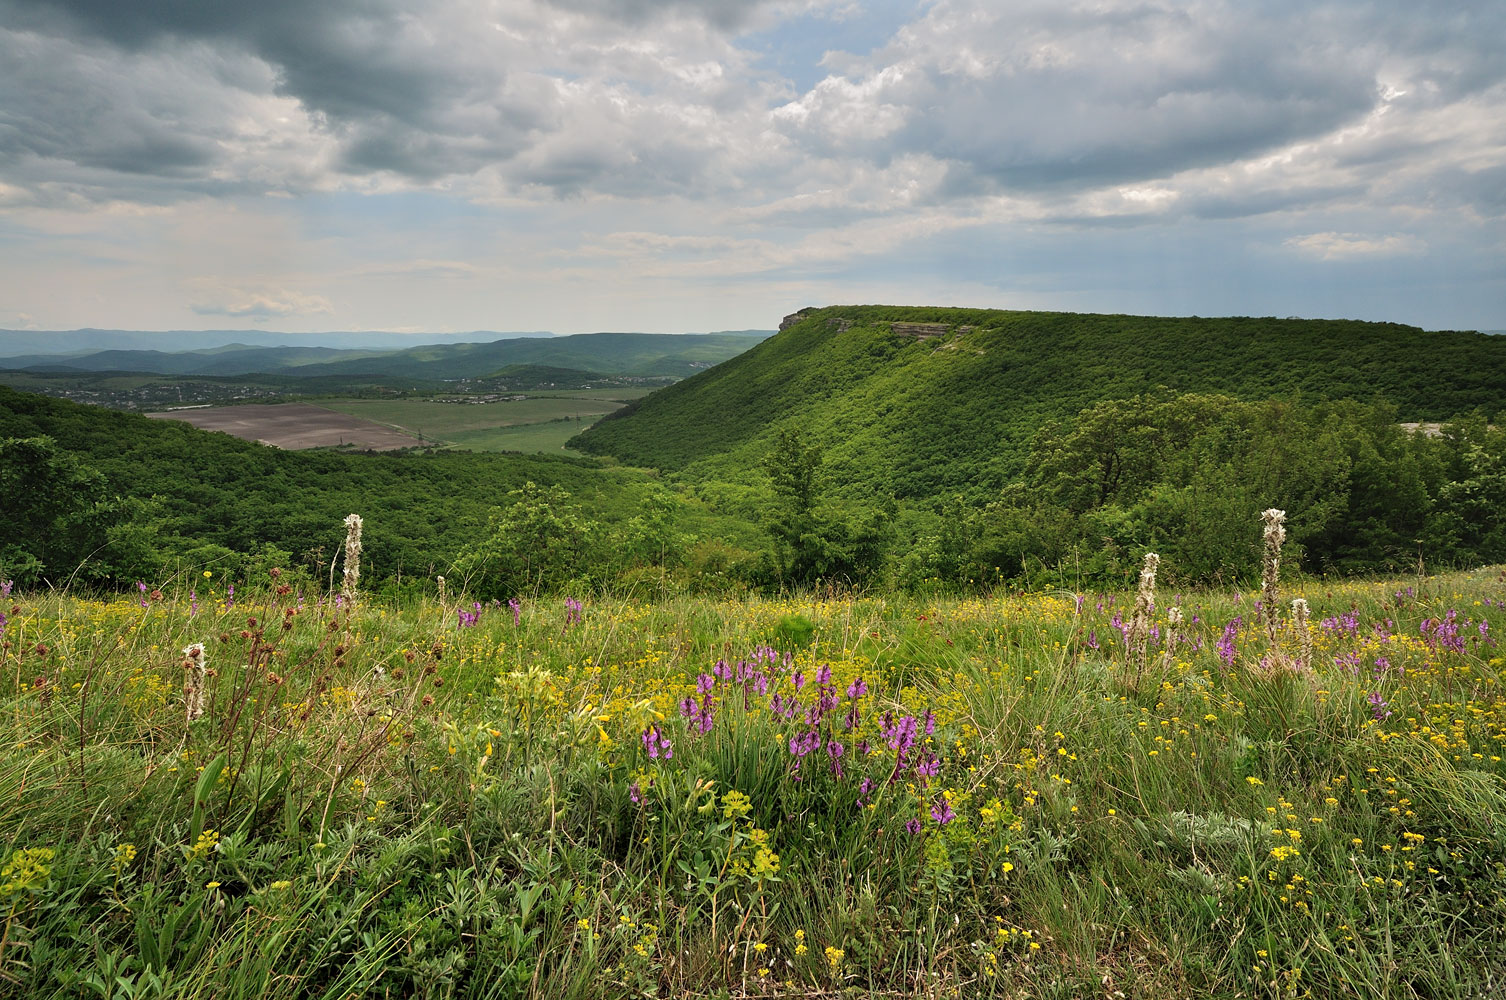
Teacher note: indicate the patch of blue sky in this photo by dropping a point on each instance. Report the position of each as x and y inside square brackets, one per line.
[794, 49]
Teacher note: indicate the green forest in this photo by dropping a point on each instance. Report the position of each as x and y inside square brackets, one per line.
[860, 447]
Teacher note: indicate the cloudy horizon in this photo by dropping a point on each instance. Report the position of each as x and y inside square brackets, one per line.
[669, 165]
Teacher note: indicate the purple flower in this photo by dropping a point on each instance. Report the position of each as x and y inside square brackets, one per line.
[572, 611]
[517, 611]
[852, 718]
[1379, 707]
[1226, 642]
[193, 604]
[928, 765]
[941, 811]
[1093, 638]
[857, 689]
[656, 743]
[930, 722]
[804, 743]
[704, 683]
[798, 679]
[635, 793]
[5, 586]
[823, 674]
[722, 670]
[230, 597]
[912, 827]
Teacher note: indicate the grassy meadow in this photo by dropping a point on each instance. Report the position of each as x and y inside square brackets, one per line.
[209, 791]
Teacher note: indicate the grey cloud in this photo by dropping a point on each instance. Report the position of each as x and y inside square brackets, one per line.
[724, 13]
[1054, 96]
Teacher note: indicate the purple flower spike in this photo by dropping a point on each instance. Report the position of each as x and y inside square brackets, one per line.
[656, 743]
[912, 827]
[857, 689]
[941, 811]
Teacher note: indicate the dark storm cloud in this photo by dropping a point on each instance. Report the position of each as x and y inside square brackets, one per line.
[398, 92]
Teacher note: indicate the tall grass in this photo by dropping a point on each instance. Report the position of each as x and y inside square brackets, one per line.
[403, 801]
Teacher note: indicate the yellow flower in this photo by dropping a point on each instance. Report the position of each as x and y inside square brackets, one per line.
[834, 957]
[1254, 780]
[211, 885]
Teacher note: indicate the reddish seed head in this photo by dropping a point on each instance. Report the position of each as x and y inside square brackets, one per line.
[439, 682]
[276, 571]
[428, 699]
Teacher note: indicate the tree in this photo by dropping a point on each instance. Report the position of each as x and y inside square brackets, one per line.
[538, 541]
[814, 541]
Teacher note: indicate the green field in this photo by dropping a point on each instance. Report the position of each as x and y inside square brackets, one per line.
[538, 423]
[539, 437]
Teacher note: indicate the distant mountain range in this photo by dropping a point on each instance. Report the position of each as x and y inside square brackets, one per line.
[649, 354]
[16, 343]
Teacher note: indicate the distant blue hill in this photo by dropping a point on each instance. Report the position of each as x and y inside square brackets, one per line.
[16, 343]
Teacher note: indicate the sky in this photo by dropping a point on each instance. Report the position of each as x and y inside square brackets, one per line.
[671, 166]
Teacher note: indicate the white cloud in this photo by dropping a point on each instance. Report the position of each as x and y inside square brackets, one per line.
[1340, 246]
[259, 305]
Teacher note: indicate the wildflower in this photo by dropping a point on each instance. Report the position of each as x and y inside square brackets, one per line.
[800, 948]
[1136, 636]
[1225, 644]
[834, 957]
[517, 610]
[26, 871]
[5, 587]
[1304, 637]
[124, 855]
[941, 811]
[211, 885]
[352, 572]
[1274, 534]
[572, 611]
[280, 885]
[857, 689]
[735, 805]
[912, 826]
[1379, 708]
[635, 794]
[656, 743]
[194, 660]
[208, 842]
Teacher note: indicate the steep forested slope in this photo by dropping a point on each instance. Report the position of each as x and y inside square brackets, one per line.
[915, 401]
